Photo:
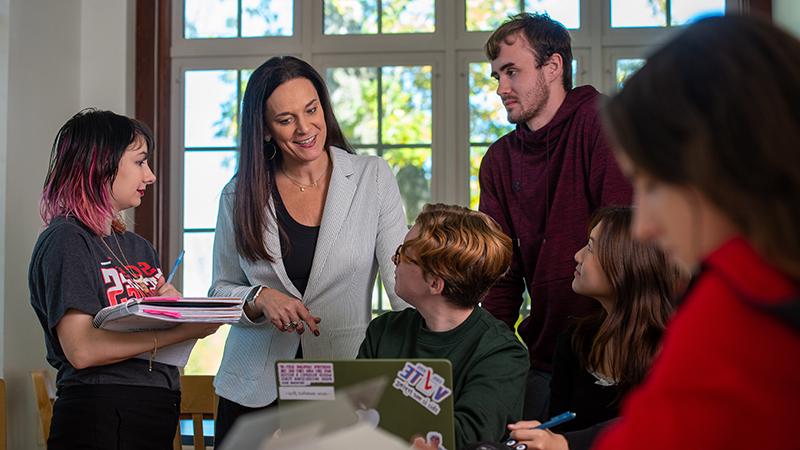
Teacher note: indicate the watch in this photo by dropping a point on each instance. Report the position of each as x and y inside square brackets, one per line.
[252, 300]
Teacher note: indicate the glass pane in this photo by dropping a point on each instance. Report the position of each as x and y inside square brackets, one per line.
[568, 12]
[638, 13]
[209, 19]
[475, 156]
[204, 176]
[412, 168]
[487, 116]
[380, 300]
[210, 108]
[486, 15]
[574, 71]
[626, 68]
[267, 18]
[206, 356]
[197, 263]
[406, 104]
[367, 151]
[354, 94]
[245, 77]
[685, 11]
[404, 16]
[350, 17]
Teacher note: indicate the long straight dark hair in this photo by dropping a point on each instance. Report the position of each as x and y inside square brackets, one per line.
[623, 342]
[258, 158]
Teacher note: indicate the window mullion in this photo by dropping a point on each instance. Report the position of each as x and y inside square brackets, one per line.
[239, 18]
[668, 12]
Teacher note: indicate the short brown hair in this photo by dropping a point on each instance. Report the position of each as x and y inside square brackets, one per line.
[544, 35]
[465, 248]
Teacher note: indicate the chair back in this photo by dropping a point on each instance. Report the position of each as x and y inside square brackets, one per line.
[3, 423]
[45, 396]
[198, 402]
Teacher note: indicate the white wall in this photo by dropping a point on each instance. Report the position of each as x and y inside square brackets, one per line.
[62, 55]
[105, 81]
[3, 162]
[787, 14]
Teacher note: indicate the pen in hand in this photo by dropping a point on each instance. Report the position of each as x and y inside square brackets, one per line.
[555, 421]
[512, 443]
[174, 270]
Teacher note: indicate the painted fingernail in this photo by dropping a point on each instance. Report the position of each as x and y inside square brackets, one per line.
[316, 332]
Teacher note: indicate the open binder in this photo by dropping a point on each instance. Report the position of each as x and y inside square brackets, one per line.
[158, 313]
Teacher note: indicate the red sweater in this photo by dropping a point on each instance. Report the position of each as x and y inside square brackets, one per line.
[541, 187]
[728, 376]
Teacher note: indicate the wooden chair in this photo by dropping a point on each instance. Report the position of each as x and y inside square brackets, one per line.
[3, 439]
[198, 402]
[45, 396]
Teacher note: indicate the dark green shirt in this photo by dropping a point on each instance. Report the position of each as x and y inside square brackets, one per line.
[490, 366]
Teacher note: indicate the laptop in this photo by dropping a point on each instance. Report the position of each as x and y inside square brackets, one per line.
[405, 397]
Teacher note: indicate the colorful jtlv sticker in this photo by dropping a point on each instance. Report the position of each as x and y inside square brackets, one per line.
[421, 383]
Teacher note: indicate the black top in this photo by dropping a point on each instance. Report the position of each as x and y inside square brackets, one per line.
[71, 268]
[574, 388]
[298, 243]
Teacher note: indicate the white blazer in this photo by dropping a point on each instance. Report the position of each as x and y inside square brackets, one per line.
[362, 224]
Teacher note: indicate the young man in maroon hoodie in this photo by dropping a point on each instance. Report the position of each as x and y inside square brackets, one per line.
[541, 183]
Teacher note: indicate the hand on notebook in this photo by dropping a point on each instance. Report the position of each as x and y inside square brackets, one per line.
[165, 289]
[286, 313]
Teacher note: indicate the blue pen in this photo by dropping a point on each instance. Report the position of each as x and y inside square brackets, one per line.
[557, 420]
[174, 270]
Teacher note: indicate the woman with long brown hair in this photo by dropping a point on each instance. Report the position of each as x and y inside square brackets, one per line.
[305, 225]
[611, 351]
[603, 356]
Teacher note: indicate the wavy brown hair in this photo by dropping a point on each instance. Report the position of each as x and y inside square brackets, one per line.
[621, 344]
[716, 109]
[465, 248]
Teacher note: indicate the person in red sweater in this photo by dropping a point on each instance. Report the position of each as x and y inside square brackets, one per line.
[541, 183]
[709, 132]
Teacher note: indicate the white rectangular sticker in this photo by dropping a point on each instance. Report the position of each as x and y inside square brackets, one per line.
[306, 393]
[304, 374]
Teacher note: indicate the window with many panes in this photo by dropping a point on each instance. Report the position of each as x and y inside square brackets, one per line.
[408, 80]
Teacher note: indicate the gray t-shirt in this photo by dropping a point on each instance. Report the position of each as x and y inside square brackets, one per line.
[71, 268]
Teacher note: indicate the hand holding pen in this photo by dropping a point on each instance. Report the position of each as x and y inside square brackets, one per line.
[534, 435]
[174, 270]
[166, 288]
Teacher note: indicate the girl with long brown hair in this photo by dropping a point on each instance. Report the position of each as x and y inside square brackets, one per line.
[611, 351]
[603, 356]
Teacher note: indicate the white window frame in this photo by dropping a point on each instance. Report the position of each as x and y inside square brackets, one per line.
[449, 50]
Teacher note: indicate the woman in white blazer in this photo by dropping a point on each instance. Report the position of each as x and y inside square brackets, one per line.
[303, 229]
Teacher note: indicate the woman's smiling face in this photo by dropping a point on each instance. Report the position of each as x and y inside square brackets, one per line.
[295, 120]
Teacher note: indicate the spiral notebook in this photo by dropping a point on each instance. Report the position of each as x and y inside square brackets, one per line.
[158, 313]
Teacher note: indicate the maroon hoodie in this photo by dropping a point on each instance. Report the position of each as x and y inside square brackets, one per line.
[542, 187]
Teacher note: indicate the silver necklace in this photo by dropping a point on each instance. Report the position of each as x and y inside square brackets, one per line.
[137, 281]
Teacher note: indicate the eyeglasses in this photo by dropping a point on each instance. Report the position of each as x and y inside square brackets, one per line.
[400, 255]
